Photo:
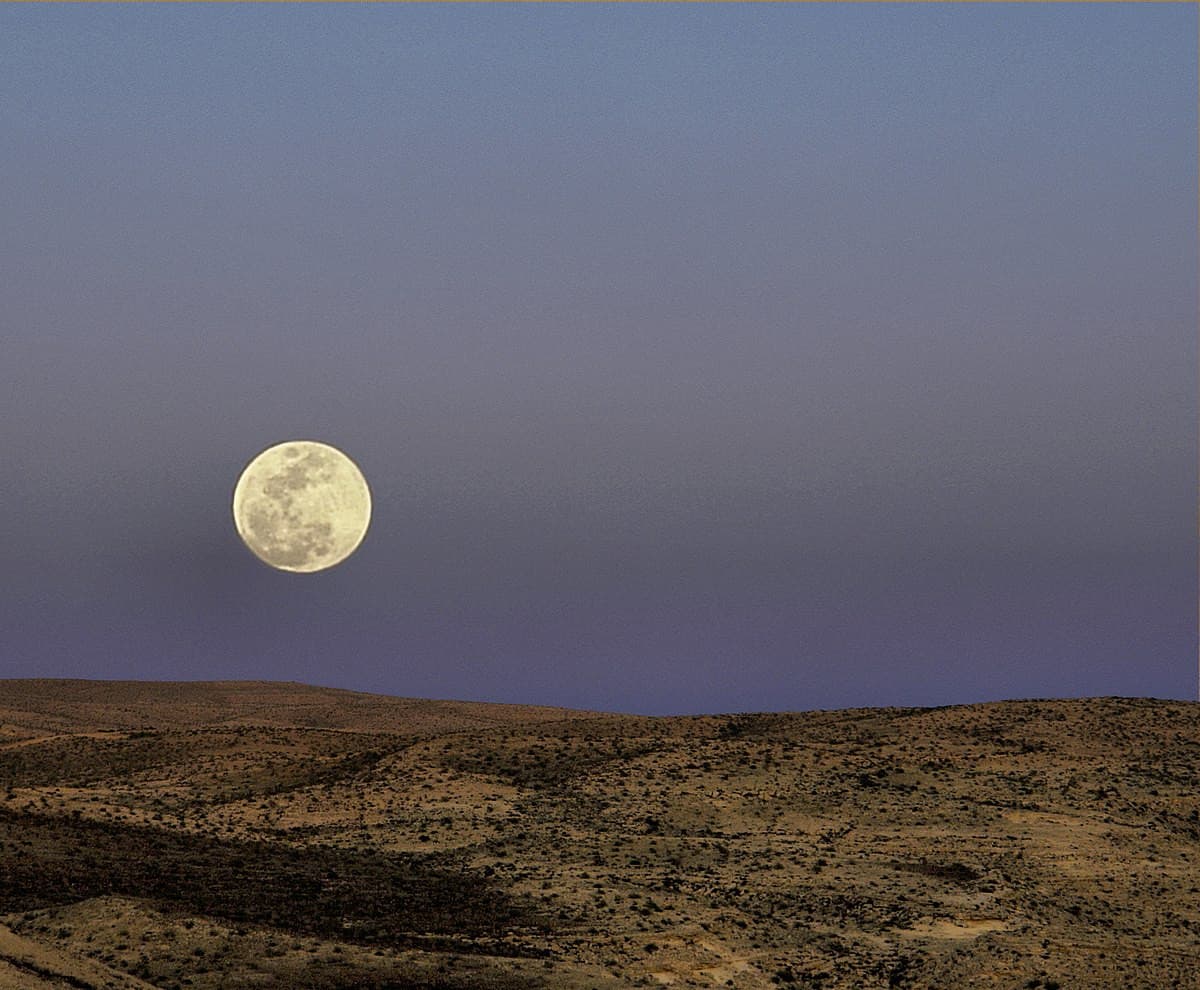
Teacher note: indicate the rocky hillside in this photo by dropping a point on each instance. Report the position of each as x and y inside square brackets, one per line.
[230, 834]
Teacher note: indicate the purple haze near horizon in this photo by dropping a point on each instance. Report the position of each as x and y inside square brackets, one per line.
[700, 358]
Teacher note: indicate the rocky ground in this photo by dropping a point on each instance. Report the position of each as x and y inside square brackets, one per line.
[216, 835]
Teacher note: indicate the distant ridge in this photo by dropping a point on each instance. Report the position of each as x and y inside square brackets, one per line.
[50, 704]
[75, 705]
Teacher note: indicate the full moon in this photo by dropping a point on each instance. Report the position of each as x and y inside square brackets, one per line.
[302, 506]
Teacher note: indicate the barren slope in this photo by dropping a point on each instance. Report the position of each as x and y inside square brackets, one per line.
[230, 834]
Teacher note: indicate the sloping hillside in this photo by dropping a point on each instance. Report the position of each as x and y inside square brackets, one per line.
[228, 834]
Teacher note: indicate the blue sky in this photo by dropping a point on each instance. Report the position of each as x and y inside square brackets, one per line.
[700, 358]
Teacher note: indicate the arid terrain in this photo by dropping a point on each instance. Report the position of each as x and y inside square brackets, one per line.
[244, 834]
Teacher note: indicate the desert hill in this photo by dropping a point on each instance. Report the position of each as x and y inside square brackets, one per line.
[91, 706]
[230, 834]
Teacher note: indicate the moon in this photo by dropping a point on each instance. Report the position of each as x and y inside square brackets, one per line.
[302, 506]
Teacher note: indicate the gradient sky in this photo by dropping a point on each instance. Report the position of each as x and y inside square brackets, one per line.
[700, 358]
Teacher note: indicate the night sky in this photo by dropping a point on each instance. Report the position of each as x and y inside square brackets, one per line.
[700, 358]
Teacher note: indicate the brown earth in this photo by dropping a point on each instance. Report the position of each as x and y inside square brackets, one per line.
[236, 834]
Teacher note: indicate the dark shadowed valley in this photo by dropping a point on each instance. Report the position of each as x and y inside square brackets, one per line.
[245, 834]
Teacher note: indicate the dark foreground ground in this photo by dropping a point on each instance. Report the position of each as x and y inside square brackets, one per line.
[217, 835]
